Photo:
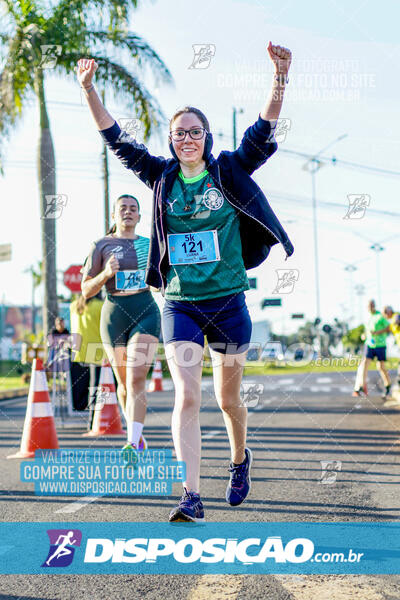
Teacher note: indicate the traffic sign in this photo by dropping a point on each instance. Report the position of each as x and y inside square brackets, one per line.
[5, 252]
[73, 278]
[271, 302]
[253, 283]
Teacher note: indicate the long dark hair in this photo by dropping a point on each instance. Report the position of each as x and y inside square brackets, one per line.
[113, 229]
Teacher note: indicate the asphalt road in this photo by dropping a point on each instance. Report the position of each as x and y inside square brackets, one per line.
[297, 422]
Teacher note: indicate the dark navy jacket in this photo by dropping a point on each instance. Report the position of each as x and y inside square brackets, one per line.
[231, 173]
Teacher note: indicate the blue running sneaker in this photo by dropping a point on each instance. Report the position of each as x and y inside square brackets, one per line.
[190, 508]
[240, 482]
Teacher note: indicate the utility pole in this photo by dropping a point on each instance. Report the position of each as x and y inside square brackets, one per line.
[312, 166]
[234, 113]
[377, 248]
[106, 179]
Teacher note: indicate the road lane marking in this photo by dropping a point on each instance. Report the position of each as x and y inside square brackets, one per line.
[21, 399]
[78, 504]
[217, 587]
[323, 380]
[285, 381]
[211, 434]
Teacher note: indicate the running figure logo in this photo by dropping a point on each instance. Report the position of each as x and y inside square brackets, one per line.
[250, 394]
[203, 54]
[62, 547]
[330, 469]
[131, 126]
[281, 129]
[54, 206]
[286, 280]
[358, 204]
[50, 54]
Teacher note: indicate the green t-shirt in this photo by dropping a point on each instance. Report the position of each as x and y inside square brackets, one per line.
[206, 210]
[375, 323]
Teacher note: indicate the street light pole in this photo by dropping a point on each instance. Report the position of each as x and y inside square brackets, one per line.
[106, 179]
[316, 165]
[350, 269]
[235, 111]
[312, 166]
[360, 291]
[377, 248]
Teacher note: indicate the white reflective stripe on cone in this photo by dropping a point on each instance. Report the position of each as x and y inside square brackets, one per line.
[111, 398]
[41, 409]
[39, 383]
[106, 376]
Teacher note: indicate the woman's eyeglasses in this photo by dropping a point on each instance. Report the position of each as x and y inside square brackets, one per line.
[197, 133]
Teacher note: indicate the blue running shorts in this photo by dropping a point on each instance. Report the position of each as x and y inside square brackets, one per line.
[225, 321]
[378, 353]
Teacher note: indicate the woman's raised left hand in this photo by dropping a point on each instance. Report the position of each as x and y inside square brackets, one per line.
[281, 57]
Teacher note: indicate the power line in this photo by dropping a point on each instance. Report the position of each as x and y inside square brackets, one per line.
[333, 160]
[273, 194]
[296, 153]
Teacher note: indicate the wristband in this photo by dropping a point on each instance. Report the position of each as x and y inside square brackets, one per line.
[281, 78]
[88, 89]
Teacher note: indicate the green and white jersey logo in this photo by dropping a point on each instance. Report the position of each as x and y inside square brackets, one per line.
[213, 198]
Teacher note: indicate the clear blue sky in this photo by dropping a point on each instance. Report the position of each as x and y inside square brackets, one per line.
[343, 80]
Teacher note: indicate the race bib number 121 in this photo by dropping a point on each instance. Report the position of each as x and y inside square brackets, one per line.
[193, 248]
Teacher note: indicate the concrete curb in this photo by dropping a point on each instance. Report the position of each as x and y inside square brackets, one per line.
[16, 393]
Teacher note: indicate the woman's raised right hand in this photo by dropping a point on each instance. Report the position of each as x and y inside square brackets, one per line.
[112, 266]
[85, 70]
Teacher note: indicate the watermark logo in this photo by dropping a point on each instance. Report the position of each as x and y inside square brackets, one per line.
[281, 129]
[99, 396]
[131, 126]
[286, 280]
[250, 393]
[54, 206]
[203, 53]
[62, 547]
[358, 204]
[330, 469]
[50, 54]
[192, 550]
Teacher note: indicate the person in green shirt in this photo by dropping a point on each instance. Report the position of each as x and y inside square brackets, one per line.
[375, 347]
[394, 328]
[210, 222]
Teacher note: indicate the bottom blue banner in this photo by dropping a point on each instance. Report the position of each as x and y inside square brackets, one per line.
[161, 548]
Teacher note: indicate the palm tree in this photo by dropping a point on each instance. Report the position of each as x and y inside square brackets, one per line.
[39, 41]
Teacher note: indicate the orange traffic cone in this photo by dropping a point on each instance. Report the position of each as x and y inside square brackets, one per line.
[39, 427]
[156, 378]
[106, 420]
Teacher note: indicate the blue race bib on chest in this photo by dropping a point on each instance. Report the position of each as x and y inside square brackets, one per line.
[126, 281]
[193, 248]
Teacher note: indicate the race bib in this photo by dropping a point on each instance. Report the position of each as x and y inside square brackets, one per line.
[126, 281]
[193, 248]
